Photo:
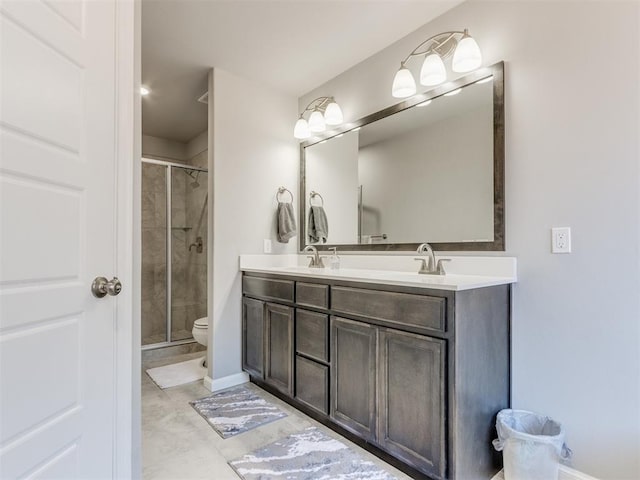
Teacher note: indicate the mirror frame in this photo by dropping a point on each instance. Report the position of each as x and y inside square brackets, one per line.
[498, 243]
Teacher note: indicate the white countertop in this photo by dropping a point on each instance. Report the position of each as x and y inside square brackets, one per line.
[469, 273]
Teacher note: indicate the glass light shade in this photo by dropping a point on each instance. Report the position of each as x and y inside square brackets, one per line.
[433, 71]
[403, 84]
[301, 130]
[316, 122]
[333, 114]
[467, 55]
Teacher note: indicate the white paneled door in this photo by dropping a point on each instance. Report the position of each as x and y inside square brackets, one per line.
[58, 231]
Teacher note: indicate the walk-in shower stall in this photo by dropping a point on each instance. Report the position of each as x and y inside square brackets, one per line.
[174, 251]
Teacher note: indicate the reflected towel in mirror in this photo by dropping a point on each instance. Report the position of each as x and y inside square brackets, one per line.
[286, 222]
[318, 227]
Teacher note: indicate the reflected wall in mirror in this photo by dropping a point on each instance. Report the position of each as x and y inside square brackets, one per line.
[427, 170]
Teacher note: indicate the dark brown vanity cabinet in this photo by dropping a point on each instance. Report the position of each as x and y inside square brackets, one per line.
[267, 331]
[415, 373]
[278, 366]
[253, 337]
[353, 376]
[411, 399]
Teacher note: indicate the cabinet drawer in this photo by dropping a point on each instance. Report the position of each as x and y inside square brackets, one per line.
[419, 311]
[312, 384]
[312, 334]
[268, 288]
[312, 295]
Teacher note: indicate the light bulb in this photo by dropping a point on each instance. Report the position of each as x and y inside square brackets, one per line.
[433, 71]
[403, 84]
[316, 122]
[301, 130]
[467, 55]
[333, 114]
[144, 91]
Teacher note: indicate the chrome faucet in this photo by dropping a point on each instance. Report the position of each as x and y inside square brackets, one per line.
[316, 259]
[429, 265]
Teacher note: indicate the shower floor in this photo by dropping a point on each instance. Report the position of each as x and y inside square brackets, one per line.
[176, 335]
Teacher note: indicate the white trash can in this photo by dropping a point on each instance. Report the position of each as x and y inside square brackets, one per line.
[532, 445]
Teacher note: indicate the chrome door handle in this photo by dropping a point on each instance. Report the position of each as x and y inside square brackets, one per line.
[101, 287]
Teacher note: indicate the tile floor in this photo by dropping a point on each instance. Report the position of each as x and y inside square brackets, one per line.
[179, 444]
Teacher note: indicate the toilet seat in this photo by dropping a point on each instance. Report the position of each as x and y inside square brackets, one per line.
[200, 330]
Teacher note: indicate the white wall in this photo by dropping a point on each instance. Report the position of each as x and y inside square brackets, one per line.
[253, 153]
[572, 76]
[164, 149]
[433, 184]
[331, 169]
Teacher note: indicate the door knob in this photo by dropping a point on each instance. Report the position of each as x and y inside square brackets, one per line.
[101, 287]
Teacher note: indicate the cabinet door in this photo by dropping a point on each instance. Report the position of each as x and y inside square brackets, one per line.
[312, 384]
[353, 376]
[411, 419]
[279, 347]
[253, 337]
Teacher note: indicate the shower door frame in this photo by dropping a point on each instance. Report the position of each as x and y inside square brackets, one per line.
[169, 270]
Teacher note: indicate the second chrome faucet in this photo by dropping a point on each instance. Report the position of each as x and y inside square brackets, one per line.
[429, 265]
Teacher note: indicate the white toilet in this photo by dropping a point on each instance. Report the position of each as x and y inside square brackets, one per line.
[200, 330]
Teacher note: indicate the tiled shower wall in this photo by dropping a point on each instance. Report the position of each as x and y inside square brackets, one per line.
[189, 268]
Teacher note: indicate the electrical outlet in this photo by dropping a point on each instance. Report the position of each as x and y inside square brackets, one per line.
[561, 240]
[267, 245]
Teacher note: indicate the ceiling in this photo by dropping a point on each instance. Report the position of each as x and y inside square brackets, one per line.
[292, 46]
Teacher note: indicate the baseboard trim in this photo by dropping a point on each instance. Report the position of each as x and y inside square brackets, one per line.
[225, 382]
[566, 473]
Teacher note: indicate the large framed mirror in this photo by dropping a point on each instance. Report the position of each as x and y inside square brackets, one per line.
[429, 169]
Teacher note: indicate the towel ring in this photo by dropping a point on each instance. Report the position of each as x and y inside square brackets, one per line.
[316, 194]
[282, 190]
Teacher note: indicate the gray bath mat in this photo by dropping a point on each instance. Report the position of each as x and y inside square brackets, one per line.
[308, 455]
[236, 410]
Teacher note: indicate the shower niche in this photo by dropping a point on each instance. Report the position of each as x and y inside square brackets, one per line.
[174, 251]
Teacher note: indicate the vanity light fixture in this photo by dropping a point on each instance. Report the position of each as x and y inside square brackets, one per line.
[466, 57]
[324, 111]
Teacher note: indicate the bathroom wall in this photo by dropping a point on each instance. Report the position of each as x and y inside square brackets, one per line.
[164, 149]
[254, 153]
[572, 100]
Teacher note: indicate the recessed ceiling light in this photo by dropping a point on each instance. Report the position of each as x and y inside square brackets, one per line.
[144, 91]
[424, 104]
[453, 92]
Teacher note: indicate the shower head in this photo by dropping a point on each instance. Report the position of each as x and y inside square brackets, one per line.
[194, 174]
[195, 183]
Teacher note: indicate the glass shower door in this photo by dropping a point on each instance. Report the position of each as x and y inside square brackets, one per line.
[188, 250]
[154, 253]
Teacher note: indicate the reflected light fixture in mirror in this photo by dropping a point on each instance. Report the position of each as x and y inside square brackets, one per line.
[324, 111]
[466, 57]
[144, 91]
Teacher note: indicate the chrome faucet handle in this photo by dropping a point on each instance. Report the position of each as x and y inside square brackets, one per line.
[424, 269]
[440, 267]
